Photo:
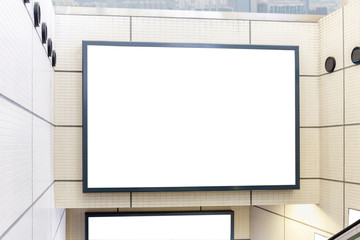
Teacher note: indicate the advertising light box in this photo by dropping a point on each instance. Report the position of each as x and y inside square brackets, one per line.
[189, 117]
[160, 226]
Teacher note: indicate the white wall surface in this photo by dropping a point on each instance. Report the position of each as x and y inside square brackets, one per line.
[27, 209]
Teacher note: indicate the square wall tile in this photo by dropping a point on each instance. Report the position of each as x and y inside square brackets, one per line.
[68, 98]
[309, 152]
[352, 154]
[309, 101]
[352, 95]
[304, 35]
[331, 153]
[151, 29]
[331, 99]
[68, 153]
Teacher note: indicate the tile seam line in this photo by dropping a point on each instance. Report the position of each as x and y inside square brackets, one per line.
[329, 126]
[24, 108]
[285, 217]
[332, 180]
[344, 111]
[25, 211]
[58, 226]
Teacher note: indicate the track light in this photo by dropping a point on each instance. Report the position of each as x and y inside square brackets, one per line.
[43, 33]
[37, 14]
[49, 47]
[330, 64]
[355, 55]
[53, 58]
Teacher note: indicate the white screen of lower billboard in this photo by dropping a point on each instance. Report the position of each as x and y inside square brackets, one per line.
[180, 227]
[178, 117]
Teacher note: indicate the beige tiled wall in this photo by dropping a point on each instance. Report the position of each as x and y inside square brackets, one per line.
[331, 40]
[309, 101]
[328, 215]
[70, 195]
[68, 153]
[331, 99]
[352, 96]
[68, 98]
[352, 153]
[185, 199]
[309, 152]
[299, 231]
[304, 35]
[308, 193]
[265, 225]
[339, 135]
[72, 30]
[324, 98]
[331, 153]
[190, 30]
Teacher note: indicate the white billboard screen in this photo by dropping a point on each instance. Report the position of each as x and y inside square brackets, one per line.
[177, 117]
[160, 226]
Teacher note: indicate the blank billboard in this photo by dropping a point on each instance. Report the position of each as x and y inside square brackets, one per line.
[160, 226]
[187, 117]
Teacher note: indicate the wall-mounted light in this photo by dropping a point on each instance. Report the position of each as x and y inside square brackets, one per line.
[37, 14]
[53, 58]
[330, 64]
[26, 1]
[49, 47]
[43, 33]
[355, 55]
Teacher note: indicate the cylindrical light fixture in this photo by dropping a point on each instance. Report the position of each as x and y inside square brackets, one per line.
[37, 14]
[53, 58]
[49, 47]
[330, 64]
[26, 1]
[43, 33]
[355, 55]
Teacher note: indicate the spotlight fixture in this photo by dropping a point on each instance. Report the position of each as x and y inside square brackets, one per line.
[49, 47]
[330, 64]
[43, 33]
[53, 58]
[37, 14]
[26, 1]
[355, 55]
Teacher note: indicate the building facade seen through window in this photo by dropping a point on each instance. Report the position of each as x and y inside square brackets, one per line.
[318, 7]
